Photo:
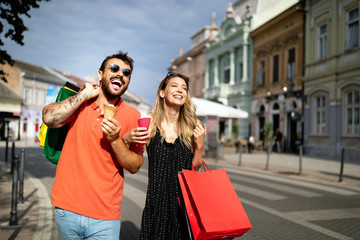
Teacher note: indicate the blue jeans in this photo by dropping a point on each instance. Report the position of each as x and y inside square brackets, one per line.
[74, 226]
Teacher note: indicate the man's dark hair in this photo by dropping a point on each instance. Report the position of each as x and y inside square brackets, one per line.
[120, 55]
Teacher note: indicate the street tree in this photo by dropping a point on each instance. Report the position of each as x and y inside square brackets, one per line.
[12, 26]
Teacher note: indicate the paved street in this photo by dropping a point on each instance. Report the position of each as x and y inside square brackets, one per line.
[279, 206]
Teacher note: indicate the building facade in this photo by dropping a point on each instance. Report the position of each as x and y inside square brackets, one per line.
[37, 87]
[10, 105]
[228, 72]
[277, 78]
[332, 79]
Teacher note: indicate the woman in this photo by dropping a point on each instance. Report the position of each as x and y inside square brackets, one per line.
[176, 142]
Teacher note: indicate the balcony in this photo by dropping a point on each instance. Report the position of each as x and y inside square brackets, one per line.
[222, 90]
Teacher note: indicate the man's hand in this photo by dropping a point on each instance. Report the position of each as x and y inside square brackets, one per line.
[90, 90]
[111, 127]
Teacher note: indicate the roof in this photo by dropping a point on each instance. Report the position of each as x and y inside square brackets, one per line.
[8, 93]
[210, 108]
[39, 73]
[76, 80]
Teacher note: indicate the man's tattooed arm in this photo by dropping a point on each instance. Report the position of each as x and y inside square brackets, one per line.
[56, 115]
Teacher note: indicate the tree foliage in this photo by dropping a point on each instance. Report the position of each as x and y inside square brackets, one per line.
[12, 25]
[269, 133]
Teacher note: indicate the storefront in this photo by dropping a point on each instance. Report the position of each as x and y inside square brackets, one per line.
[10, 111]
[218, 119]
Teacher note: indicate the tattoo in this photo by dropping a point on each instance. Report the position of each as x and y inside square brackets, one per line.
[60, 112]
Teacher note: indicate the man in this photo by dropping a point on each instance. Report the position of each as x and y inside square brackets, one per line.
[87, 190]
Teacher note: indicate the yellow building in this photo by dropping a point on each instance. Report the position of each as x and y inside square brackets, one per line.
[277, 77]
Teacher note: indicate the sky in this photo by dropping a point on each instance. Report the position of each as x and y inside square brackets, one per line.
[75, 36]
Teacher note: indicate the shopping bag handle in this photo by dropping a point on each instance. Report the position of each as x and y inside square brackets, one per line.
[206, 168]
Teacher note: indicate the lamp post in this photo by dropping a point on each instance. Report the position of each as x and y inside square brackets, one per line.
[303, 11]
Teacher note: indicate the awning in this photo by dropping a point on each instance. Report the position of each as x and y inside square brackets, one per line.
[208, 108]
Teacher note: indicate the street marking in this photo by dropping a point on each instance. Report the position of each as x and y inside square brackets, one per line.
[303, 218]
[276, 186]
[139, 177]
[295, 219]
[137, 196]
[307, 184]
[259, 193]
[328, 214]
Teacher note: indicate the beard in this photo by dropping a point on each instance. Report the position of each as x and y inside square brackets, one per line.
[106, 89]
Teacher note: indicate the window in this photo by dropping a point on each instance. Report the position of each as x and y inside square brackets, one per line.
[226, 70]
[261, 74]
[322, 42]
[27, 96]
[25, 125]
[352, 31]
[241, 72]
[320, 114]
[40, 97]
[291, 63]
[276, 68]
[352, 111]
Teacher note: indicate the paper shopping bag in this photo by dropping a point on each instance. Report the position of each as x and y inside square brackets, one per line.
[213, 208]
[55, 137]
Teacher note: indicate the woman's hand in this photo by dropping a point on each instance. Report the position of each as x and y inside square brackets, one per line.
[199, 135]
[136, 135]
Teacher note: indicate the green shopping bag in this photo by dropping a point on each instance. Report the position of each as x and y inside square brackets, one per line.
[55, 137]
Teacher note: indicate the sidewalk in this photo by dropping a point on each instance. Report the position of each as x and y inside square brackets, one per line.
[35, 215]
[27, 213]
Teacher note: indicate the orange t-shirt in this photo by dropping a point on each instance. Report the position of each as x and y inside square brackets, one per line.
[89, 180]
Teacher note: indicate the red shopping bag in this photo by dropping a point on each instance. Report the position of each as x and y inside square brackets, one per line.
[211, 205]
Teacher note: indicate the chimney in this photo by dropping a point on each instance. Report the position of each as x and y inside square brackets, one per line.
[181, 52]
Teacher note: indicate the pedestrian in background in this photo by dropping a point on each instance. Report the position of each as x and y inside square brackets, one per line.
[176, 142]
[277, 139]
[251, 143]
[89, 181]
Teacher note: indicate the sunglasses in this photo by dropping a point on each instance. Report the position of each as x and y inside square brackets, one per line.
[115, 68]
[174, 74]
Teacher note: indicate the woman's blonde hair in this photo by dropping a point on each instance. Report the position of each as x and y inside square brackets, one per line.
[187, 117]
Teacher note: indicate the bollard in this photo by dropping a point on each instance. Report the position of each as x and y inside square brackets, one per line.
[7, 143]
[268, 157]
[240, 154]
[341, 165]
[300, 159]
[21, 177]
[12, 157]
[13, 214]
[6, 149]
